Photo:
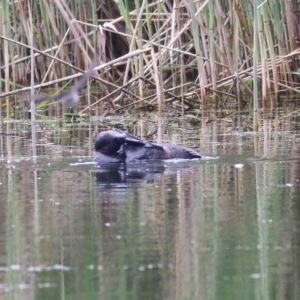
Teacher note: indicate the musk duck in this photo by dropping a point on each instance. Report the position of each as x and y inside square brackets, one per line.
[119, 146]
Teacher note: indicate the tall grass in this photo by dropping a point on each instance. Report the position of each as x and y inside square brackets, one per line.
[201, 50]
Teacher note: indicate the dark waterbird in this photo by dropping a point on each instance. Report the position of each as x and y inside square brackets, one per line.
[119, 146]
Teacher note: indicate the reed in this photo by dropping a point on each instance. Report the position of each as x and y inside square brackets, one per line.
[32, 102]
[256, 27]
[204, 48]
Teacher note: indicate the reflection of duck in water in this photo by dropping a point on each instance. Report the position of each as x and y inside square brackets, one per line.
[119, 146]
[115, 176]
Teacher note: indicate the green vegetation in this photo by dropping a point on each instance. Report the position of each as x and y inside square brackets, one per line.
[153, 53]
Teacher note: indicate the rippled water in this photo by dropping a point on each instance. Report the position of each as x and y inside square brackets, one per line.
[223, 228]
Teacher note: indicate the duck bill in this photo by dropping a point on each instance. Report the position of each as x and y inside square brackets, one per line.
[121, 154]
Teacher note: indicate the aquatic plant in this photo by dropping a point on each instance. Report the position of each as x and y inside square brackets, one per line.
[190, 53]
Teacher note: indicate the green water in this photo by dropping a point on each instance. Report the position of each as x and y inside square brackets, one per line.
[223, 228]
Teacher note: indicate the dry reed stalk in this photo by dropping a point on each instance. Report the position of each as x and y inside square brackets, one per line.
[270, 47]
[226, 54]
[157, 80]
[291, 23]
[213, 39]
[32, 102]
[39, 52]
[55, 55]
[119, 89]
[200, 62]
[103, 66]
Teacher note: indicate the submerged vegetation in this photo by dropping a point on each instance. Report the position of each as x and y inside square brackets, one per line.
[187, 53]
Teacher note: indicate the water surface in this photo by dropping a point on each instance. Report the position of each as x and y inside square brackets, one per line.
[223, 228]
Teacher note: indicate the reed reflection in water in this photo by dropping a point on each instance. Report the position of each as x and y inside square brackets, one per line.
[225, 228]
[210, 230]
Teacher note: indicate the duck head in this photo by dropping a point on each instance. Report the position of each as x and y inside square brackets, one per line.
[109, 147]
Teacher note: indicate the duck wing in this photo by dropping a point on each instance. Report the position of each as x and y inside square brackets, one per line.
[133, 140]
